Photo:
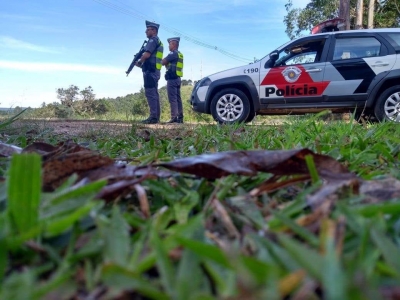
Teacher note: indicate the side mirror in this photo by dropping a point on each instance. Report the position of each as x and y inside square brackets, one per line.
[273, 57]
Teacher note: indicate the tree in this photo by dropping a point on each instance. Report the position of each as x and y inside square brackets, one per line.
[359, 14]
[387, 13]
[344, 13]
[68, 96]
[60, 111]
[101, 107]
[186, 82]
[88, 101]
[139, 103]
[17, 110]
[371, 12]
[299, 21]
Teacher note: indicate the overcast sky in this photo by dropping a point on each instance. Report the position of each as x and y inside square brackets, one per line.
[50, 44]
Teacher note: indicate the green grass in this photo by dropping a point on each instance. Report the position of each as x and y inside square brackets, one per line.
[204, 239]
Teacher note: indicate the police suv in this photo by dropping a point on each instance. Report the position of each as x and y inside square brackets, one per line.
[341, 71]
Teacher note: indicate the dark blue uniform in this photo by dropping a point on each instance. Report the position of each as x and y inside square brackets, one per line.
[174, 87]
[151, 76]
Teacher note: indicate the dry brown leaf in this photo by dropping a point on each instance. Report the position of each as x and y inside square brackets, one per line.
[58, 168]
[333, 190]
[272, 184]
[40, 148]
[290, 282]
[7, 150]
[280, 162]
[376, 191]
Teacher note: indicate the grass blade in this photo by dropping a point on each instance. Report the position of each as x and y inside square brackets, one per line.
[24, 191]
[167, 272]
[115, 233]
[123, 279]
[206, 251]
[306, 257]
[390, 251]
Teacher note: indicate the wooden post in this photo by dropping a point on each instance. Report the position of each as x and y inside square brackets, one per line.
[344, 13]
[371, 11]
[359, 18]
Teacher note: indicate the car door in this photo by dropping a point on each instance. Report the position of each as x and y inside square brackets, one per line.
[296, 78]
[354, 61]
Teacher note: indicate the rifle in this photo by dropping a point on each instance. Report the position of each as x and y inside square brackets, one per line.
[136, 58]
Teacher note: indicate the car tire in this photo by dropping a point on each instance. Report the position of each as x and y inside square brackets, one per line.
[387, 108]
[362, 116]
[251, 116]
[230, 106]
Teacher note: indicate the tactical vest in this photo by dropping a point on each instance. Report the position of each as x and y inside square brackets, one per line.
[175, 69]
[179, 65]
[153, 63]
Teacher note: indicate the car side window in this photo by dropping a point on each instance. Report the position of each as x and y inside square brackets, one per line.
[394, 39]
[356, 47]
[302, 58]
[302, 53]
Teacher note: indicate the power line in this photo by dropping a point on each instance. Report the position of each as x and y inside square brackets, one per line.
[127, 10]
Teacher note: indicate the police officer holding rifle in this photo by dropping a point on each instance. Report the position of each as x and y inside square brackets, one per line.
[150, 62]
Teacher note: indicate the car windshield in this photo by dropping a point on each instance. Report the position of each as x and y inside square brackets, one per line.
[280, 47]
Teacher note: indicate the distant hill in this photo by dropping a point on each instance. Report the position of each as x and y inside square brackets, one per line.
[11, 109]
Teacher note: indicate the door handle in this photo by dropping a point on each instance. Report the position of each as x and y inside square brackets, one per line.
[380, 64]
[313, 70]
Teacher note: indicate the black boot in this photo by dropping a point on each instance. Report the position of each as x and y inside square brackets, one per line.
[150, 120]
[180, 118]
[173, 120]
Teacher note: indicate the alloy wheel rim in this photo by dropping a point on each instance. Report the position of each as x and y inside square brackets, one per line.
[392, 107]
[229, 107]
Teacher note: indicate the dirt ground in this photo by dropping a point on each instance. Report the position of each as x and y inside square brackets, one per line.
[92, 129]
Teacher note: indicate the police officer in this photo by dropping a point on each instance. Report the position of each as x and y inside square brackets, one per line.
[174, 64]
[150, 62]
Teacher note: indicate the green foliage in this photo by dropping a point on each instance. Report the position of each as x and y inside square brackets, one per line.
[23, 204]
[139, 103]
[83, 104]
[68, 96]
[62, 111]
[300, 21]
[387, 14]
[67, 243]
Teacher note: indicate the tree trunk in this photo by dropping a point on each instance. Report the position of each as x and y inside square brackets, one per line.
[344, 13]
[359, 19]
[371, 10]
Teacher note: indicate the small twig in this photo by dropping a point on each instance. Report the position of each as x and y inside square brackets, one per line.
[36, 247]
[340, 234]
[144, 202]
[225, 218]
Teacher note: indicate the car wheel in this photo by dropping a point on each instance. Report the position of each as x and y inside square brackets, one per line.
[252, 115]
[388, 105]
[230, 106]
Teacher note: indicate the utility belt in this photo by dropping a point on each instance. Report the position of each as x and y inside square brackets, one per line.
[170, 75]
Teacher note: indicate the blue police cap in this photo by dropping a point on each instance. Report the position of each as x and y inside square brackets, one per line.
[174, 39]
[152, 24]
